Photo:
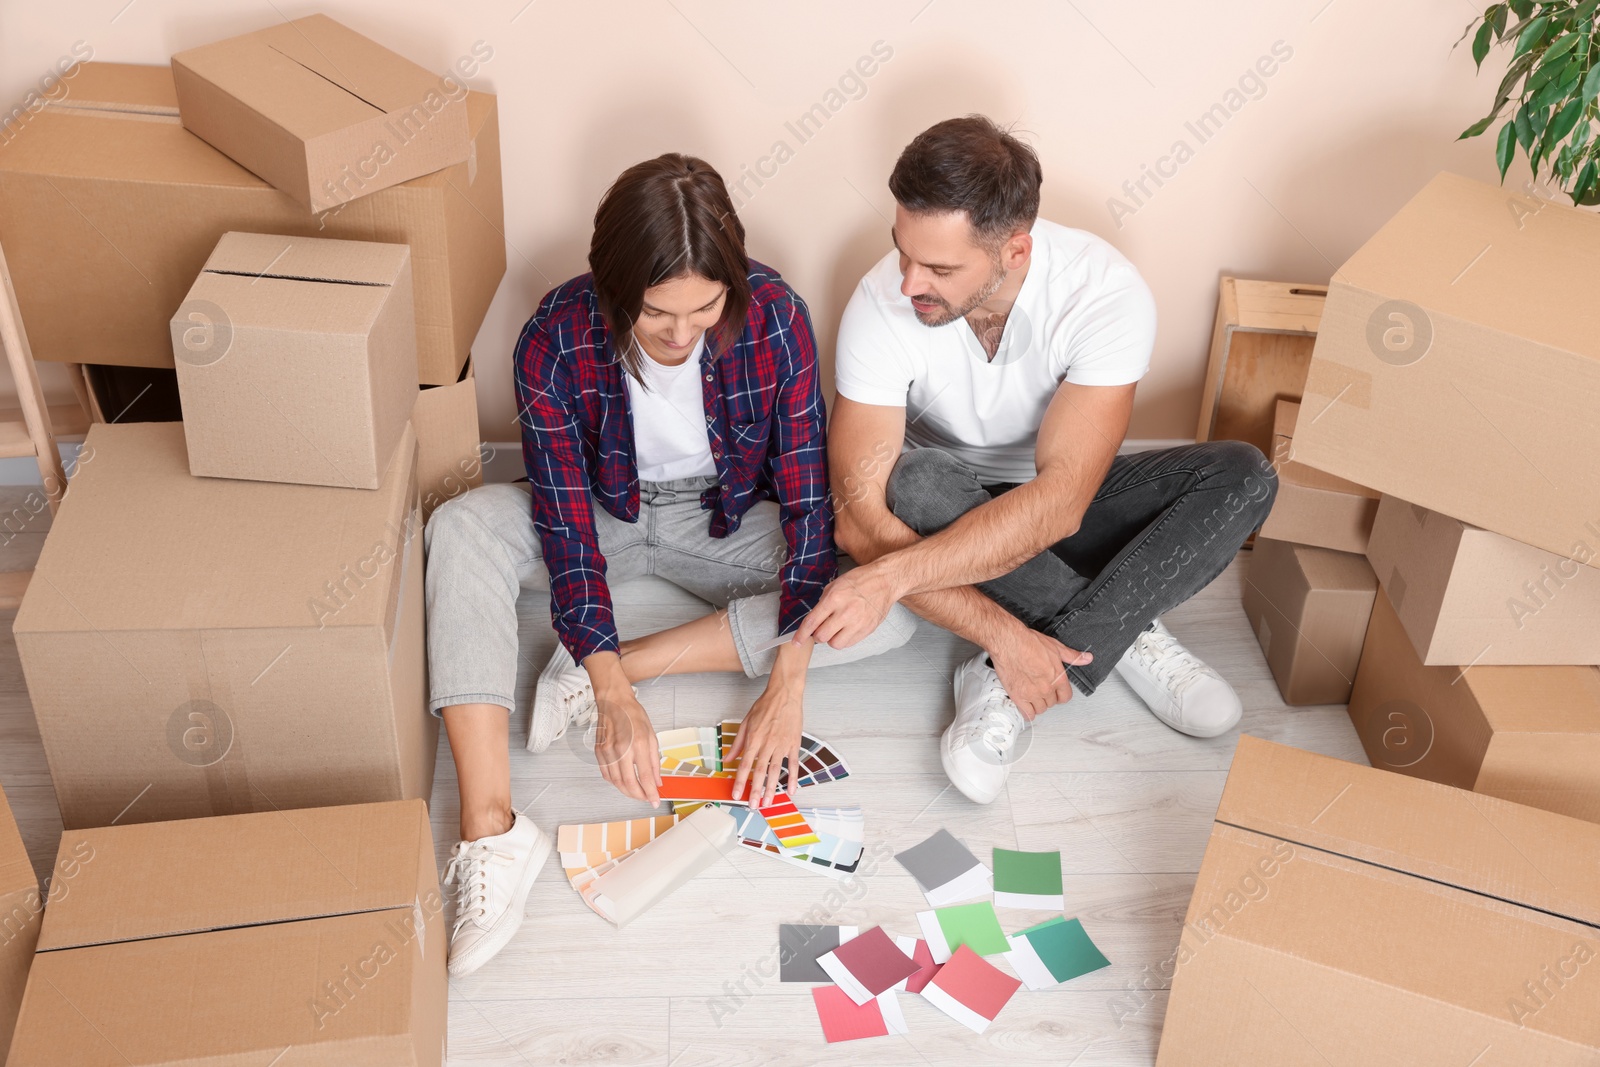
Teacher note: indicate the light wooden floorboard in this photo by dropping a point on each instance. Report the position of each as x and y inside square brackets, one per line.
[1128, 801]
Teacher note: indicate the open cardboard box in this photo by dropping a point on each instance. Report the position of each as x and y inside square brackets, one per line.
[1346, 915]
[308, 937]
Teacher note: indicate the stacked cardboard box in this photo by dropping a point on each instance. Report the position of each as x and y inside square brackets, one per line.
[1308, 590]
[308, 937]
[1457, 372]
[20, 912]
[1345, 915]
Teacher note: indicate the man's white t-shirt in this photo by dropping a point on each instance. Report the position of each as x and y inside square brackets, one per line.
[669, 419]
[1083, 315]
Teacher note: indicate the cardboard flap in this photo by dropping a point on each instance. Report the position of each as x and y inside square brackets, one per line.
[308, 259]
[1482, 844]
[1482, 254]
[119, 87]
[356, 64]
[162, 878]
[1327, 569]
[141, 544]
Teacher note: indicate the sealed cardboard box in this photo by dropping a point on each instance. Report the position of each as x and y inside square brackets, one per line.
[1527, 734]
[309, 937]
[297, 360]
[1309, 609]
[1344, 915]
[321, 112]
[449, 449]
[109, 204]
[1466, 595]
[1457, 365]
[20, 911]
[208, 646]
[1313, 507]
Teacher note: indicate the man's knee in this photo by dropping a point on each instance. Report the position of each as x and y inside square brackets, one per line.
[1242, 467]
[929, 489]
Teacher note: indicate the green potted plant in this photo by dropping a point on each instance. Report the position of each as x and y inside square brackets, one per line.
[1550, 86]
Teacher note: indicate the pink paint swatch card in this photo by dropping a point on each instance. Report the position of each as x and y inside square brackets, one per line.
[922, 956]
[845, 1020]
[867, 965]
[970, 990]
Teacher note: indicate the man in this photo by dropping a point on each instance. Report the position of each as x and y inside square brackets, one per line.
[985, 376]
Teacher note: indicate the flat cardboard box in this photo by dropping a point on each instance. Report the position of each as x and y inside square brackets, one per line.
[1314, 508]
[1344, 915]
[1526, 734]
[208, 646]
[1465, 595]
[20, 910]
[1309, 609]
[449, 446]
[312, 936]
[1458, 364]
[321, 112]
[108, 203]
[297, 360]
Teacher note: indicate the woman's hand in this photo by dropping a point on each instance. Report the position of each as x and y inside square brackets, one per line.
[624, 739]
[770, 733]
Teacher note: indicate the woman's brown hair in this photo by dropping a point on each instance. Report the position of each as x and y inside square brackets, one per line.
[662, 219]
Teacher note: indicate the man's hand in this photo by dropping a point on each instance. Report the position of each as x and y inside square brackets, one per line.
[853, 605]
[1032, 668]
[625, 745]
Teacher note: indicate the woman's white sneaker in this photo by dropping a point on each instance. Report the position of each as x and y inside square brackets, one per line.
[1180, 689]
[492, 876]
[988, 736]
[562, 696]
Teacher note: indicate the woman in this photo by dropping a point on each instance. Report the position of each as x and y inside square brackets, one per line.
[672, 424]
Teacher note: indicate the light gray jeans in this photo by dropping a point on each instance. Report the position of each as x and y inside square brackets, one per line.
[481, 551]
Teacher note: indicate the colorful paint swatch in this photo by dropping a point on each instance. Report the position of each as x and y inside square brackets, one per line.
[974, 926]
[868, 965]
[1053, 952]
[1027, 879]
[970, 990]
[690, 744]
[788, 825]
[947, 871]
[922, 956]
[835, 854]
[818, 762]
[589, 844]
[690, 787]
[799, 945]
[845, 1020]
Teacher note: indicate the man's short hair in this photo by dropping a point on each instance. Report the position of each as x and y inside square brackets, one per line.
[971, 165]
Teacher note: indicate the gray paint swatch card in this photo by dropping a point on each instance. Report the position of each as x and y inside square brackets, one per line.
[799, 945]
[946, 869]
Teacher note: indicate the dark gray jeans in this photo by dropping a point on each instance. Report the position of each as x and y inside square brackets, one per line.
[1162, 525]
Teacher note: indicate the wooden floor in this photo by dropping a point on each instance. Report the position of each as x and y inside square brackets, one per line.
[1126, 800]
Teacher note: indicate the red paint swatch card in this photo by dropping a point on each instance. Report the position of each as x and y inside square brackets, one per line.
[970, 989]
[845, 1020]
[922, 956]
[867, 965]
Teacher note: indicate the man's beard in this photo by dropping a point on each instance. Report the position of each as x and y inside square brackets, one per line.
[948, 314]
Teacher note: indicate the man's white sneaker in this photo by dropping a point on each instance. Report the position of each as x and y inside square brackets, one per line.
[981, 746]
[1177, 686]
[562, 696]
[492, 876]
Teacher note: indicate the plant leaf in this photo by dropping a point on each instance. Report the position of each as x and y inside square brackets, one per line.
[1523, 8]
[1561, 46]
[1532, 33]
[1585, 186]
[1562, 124]
[1505, 149]
[1591, 84]
[1480, 44]
[1499, 19]
[1524, 128]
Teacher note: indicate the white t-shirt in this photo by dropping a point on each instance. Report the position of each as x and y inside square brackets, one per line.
[669, 420]
[1083, 315]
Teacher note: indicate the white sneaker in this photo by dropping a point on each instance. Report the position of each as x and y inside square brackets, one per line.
[492, 876]
[1179, 689]
[562, 696]
[980, 747]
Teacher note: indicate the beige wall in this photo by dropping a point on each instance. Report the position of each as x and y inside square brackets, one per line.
[1361, 108]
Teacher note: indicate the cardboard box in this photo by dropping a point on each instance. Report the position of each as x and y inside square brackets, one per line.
[1309, 608]
[297, 360]
[1527, 734]
[206, 646]
[449, 449]
[1260, 348]
[1466, 595]
[1312, 507]
[321, 112]
[108, 203]
[20, 911]
[1458, 364]
[313, 936]
[1343, 915]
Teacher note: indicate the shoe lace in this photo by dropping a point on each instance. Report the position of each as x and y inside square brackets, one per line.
[1000, 721]
[1175, 666]
[468, 870]
[583, 697]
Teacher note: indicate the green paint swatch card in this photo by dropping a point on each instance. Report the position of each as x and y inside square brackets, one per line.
[1027, 879]
[1054, 952]
[974, 925]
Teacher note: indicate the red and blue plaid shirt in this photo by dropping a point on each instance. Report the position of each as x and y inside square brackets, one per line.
[765, 421]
